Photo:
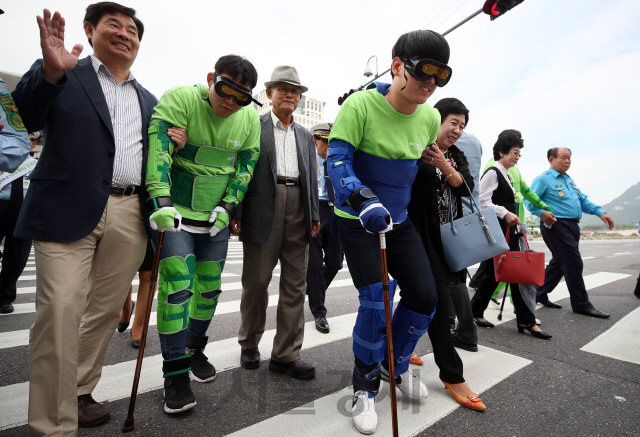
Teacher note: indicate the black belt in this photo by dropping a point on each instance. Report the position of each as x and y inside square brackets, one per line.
[570, 220]
[290, 182]
[197, 223]
[327, 202]
[126, 191]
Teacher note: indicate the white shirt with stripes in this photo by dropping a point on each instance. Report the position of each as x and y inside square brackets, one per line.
[286, 151]
[126, 119]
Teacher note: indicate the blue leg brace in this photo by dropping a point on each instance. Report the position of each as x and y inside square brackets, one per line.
[369, 333]
[407, 327]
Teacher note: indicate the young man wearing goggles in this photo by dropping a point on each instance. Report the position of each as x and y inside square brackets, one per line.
[194, 192]
[374, 153]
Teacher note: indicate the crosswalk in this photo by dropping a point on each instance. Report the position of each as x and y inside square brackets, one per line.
[328, 414]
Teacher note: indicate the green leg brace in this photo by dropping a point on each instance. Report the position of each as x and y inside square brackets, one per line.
[206, 290]
[174, 274]
[176, 366]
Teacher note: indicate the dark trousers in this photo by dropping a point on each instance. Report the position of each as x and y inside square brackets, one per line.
[15, 254]
[325, 259]
[407, 262]
[562, 240]
[445, 355]
[487, 286]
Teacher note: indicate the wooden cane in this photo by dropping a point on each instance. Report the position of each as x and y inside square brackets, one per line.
[387, 314]
[128, 423]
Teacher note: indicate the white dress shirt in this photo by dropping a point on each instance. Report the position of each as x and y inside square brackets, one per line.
[488, 185]
[126, 119]
[286, 150]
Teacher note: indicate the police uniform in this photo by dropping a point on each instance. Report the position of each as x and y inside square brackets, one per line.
[568, 202]
[14, 148]
[325, 251]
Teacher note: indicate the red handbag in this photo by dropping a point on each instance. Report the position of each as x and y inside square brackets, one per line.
[515, 267]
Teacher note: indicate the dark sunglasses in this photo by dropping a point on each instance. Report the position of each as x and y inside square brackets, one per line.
[227, 88]
[424, 69]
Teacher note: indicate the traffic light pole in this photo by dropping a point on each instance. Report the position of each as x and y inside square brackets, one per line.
[443, 34]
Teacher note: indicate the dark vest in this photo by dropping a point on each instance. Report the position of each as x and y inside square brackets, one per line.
[503, 196]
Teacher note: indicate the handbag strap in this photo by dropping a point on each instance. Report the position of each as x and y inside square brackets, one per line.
[526, 242]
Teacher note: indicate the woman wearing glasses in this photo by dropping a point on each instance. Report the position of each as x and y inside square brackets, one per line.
[497, 191]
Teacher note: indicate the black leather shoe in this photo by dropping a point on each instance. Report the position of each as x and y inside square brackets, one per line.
[250, 358]
[123, 326]
[485, 324]
[90, 412]
[637, 290]
[134, 343]
[592, 312]
[538, 334]
[322, 325]
[549, 304]
[297, 369]
[7, 308]
[463, 344]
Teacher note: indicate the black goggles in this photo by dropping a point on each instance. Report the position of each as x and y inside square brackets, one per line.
[227, 88]
[423, 69]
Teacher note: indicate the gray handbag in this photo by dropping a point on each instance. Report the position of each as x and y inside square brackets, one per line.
[473, 238]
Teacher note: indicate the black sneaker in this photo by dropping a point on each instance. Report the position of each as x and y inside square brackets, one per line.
[201, 369]
[178, 396]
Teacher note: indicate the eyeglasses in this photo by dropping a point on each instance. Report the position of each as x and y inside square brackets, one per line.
[227, 88]
[286, 91]
[424, 69]
[516, 154]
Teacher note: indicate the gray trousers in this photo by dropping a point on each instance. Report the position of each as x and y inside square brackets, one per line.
[289, 243]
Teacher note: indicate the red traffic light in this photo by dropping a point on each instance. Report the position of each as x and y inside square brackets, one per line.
[496, 8]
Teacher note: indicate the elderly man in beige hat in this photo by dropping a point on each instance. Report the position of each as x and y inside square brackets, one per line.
[276, 221]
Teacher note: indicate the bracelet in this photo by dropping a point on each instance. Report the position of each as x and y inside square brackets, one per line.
[452, 173]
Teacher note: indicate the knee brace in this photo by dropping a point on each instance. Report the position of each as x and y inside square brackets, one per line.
[407, 328]
[206, 290]
[174, 274]
[176, 366]
[369, 333]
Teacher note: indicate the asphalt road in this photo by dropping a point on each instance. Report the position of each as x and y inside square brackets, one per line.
[583, 382]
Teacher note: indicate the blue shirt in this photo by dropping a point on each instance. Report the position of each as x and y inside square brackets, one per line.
[562, 194]
[323, 194]
[472, 149]
[14, 139]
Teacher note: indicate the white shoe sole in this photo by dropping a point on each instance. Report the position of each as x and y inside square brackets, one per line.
[201, 381]
[180, 410]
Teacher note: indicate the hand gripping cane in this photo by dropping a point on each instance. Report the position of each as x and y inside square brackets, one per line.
[387, 315]
[128, 423]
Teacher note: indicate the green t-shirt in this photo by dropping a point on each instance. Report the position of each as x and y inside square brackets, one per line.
[370, 124]
[229, 142]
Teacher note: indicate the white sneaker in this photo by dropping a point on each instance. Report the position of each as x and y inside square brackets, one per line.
[408, 384]
[363, 412]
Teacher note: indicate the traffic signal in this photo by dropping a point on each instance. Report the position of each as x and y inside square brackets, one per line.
[344, 97]
[497, 8]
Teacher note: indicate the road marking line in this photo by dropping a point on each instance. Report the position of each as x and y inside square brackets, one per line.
[117, 378]
[621, 341]
[326, 416]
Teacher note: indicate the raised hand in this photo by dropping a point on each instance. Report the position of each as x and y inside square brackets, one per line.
[57, 60]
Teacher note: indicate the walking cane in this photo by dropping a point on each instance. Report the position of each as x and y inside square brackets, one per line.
[128, 423]
[507, 290]
[387, 314]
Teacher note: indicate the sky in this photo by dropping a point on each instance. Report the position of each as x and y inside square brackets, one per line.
[564, 73]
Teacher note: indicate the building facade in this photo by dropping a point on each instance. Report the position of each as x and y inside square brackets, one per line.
[309, 113]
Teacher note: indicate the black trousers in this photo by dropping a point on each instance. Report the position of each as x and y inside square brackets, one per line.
[562, 240]
[15, 254]
[325, 259]
[445, 355]
[407, 262]
[486, 286]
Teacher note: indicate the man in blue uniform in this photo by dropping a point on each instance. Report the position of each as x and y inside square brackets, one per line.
[562, 235]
